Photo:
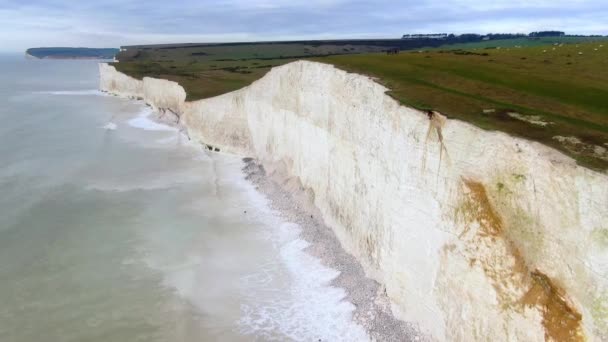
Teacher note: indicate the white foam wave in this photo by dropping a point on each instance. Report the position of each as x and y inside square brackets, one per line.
[110, 126]
[144, 122]
[313, 311]
[146, 181]
[168, 140]
[283, 293]
[87, 92]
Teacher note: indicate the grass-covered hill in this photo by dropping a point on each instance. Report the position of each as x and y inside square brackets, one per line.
[526, 42]
[72, 53]
[551, 90]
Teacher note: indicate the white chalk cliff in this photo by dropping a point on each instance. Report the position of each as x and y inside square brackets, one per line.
[476, 235]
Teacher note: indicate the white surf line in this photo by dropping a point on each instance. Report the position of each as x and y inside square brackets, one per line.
[110, 126]
[85, 92]
[313, 309]
[144, 122]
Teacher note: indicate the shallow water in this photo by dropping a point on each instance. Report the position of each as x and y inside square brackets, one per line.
[116, 228]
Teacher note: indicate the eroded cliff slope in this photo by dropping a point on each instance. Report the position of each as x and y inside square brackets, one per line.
[476, 235]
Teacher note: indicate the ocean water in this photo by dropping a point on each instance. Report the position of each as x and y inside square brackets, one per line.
[116, 228]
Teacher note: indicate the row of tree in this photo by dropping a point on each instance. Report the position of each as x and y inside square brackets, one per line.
[547, 34]
[493, 36]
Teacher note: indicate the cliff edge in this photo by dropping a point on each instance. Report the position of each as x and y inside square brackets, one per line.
[476, 235]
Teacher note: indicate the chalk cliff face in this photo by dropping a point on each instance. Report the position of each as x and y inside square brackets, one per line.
[118, 83]
[476, 235]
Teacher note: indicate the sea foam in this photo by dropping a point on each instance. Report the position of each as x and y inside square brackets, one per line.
[85, 92]
[143, 121]
[110, 126]
[314, 310]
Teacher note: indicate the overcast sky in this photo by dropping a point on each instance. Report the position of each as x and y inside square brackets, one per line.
[111, 23]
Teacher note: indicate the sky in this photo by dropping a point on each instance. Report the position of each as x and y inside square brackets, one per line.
[111, 23]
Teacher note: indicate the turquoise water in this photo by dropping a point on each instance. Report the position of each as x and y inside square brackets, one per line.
[114, 228]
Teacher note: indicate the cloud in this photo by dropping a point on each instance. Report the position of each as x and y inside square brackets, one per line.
[122, 22]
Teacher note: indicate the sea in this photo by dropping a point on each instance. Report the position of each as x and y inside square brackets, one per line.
[116, 228]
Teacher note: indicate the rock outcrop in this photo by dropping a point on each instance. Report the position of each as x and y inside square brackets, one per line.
[476, 235]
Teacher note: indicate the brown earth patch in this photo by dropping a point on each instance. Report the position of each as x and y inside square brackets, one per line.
[561, 321]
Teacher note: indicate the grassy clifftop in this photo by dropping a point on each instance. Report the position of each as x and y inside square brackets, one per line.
[556, 94]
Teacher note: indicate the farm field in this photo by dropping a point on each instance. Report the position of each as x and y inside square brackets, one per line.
[524, 42]
[554, 94]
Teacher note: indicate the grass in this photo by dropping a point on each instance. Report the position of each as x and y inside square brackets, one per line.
[524, 42]
[224, 52]
[564, 85]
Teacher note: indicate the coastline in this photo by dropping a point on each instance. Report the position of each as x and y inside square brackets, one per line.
[372, 305]
[410, 199]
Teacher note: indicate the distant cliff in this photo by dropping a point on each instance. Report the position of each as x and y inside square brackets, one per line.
[71, 53]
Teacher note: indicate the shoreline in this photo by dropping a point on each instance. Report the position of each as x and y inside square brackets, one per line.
[372, 305]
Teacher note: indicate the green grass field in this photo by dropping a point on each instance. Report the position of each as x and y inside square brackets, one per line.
[541, 92]
[525, 42]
